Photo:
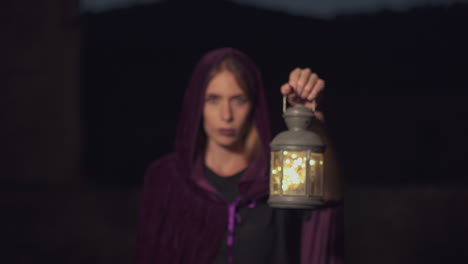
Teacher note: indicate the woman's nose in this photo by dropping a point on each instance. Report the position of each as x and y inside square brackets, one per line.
[226, 112]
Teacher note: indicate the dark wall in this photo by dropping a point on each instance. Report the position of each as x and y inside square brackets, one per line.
[39, 102]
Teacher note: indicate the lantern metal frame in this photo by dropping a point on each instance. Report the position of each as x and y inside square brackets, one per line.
[297, 138]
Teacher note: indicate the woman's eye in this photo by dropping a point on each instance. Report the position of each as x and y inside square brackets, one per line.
[211, 99]
[241, 100]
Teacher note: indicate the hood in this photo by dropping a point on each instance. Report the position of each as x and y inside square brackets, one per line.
[189, 138]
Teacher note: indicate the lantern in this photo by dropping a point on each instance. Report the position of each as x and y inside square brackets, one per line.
[296, 170]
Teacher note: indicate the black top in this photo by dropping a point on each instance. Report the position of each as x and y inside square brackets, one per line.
[226, 186]
[261, 236]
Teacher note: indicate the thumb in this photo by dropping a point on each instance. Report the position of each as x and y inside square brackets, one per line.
[286, 89]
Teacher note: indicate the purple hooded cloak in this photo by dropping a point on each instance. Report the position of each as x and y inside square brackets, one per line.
[182, 217]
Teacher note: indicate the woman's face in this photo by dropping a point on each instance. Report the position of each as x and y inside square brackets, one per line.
[226, 110]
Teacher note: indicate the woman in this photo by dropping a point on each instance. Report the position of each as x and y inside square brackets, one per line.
[206, 201]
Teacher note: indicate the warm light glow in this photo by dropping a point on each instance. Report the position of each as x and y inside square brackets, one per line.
[294, 173]
[275, 175]
[315, 174]
[290, 176]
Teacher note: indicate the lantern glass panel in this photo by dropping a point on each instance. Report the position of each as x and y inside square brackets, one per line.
[316, 172]
[294, 172]
[275, 172]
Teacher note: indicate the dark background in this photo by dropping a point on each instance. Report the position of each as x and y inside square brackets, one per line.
[89, 100]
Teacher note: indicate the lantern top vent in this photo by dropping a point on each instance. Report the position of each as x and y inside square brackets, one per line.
[298, 119]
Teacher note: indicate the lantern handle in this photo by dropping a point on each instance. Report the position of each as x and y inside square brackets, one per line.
[285, 103]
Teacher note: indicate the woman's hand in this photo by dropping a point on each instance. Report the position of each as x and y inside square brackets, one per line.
[304, 87]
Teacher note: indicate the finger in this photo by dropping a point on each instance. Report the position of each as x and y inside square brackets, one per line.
[301, 82]
[294, 76]
[316, 90]
[286, 89]
[308, 88]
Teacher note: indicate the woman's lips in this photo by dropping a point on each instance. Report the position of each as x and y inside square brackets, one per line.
[227, 132]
